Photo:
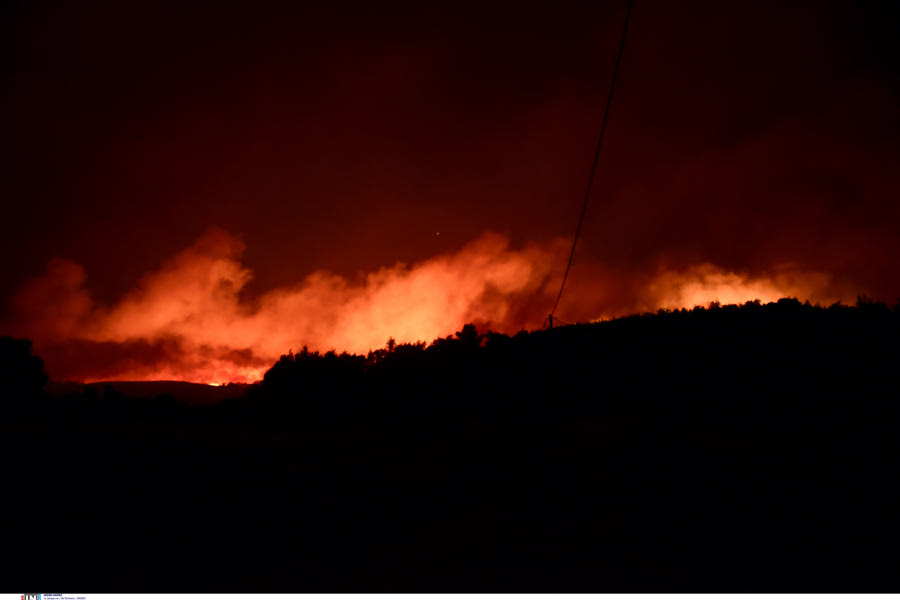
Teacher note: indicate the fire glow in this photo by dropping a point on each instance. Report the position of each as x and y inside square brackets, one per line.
[187, 320]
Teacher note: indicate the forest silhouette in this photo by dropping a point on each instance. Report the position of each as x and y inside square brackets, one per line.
[726, 449]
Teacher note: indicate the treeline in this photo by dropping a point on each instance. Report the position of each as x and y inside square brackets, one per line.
[729, 449]
[781, 365]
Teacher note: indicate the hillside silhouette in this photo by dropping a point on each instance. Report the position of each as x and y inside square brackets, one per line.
[720, 449]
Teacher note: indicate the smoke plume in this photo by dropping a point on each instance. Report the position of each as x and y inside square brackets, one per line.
[189, 319]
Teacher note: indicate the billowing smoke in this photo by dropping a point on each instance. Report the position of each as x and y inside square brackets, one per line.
[705, 283]
[188, 320]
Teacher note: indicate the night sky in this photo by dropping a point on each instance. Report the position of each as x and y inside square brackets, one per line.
[188, 192]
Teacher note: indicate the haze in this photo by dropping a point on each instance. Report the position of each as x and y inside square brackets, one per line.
[189, 194]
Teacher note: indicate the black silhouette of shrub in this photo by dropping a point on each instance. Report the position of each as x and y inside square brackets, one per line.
[728, 448]
[22, 374]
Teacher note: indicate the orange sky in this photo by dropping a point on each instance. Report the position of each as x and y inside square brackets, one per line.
[190, 193]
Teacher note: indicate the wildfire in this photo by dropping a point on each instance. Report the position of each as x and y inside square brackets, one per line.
[186, 321]
[704, 284]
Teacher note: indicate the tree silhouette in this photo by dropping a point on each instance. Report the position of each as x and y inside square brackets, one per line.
[21, 373]
[696, 449]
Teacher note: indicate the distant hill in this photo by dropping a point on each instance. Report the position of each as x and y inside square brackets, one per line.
[197, 394]
[736, 449]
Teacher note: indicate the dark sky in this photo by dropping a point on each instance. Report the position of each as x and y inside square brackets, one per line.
[748, 135]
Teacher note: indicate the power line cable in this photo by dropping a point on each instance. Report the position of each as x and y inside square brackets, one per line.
[587, 193]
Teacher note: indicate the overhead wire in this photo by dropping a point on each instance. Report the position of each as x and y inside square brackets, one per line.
[590, 183]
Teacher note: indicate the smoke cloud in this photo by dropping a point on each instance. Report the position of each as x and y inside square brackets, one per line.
[190, 320]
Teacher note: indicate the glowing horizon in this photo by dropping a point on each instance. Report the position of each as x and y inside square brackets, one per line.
[186, 320]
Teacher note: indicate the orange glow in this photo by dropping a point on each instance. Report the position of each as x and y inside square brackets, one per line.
[705, 283]
[187, 320]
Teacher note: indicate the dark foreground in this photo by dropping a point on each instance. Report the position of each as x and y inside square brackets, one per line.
[725, 450]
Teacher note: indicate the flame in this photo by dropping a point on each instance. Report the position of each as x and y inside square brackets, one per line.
[187, 320]
[703, 284]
